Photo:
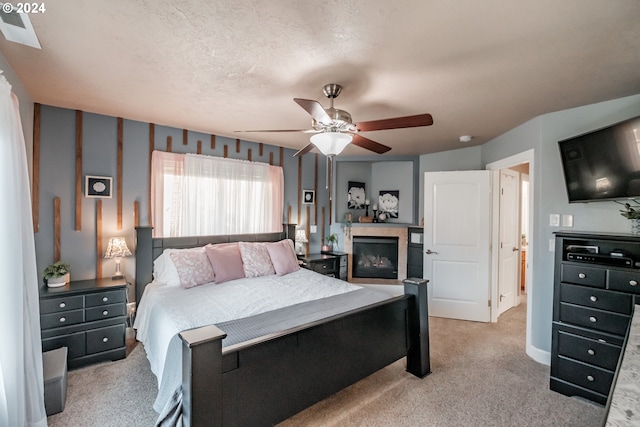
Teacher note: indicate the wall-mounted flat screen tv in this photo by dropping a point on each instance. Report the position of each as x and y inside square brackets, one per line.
[603, 164]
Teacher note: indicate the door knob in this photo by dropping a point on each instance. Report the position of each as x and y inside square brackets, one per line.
[515, 249]
[429, 252]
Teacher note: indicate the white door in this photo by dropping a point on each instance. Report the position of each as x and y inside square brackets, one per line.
[509, 242]
[457, 231]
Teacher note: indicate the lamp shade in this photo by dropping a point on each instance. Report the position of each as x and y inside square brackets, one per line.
[331, 143]
[117, 248]
[301, 236]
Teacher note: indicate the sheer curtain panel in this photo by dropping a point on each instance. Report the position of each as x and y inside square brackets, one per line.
[204, 195]
[21, 382]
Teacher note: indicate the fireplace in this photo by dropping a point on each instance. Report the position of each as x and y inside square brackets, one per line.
[375, 257]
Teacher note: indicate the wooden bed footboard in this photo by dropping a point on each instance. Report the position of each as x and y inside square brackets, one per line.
[267, 380]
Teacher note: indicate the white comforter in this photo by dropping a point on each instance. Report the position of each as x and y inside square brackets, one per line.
[172, 309]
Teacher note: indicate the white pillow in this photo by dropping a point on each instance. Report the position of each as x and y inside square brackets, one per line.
[165, 271]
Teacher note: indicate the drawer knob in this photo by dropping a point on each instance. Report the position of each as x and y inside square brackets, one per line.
[63, 319]
[591, 352]
[592, 319]
[104, 313]
[590, 378]
[593, 298]
[62, 305]
[105, 339]
[582, 275]
[105, 299]
[633, 282]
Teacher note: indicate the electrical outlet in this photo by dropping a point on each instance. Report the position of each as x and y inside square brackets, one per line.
[131, 308]
[552, 245]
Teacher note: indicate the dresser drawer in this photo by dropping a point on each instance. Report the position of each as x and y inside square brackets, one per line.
[596, 298]
[105, 312]
[104, 339]
[56, 320]
[590, 351]
[75, 344]
[103, 298]
[326, 266]
[54, 305]
[595, 319]
[587, 376]
[626, 281]
[583, 275]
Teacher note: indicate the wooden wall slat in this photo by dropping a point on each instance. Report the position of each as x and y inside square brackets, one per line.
[226, 151]
[281, 156]
[271, 159]
[152, 137]
[299, 189]
[119, 173]
[289, 214]
[237, 145]
[199, 148]
[136, 213]
[213, 142]
[315, 190]
[260, 149]
[169, 144]
[308, 229]
[249, 154]
[322, 226]
[185, 137]
[78, 201]
[99, 253]
[35, 190]
[57, 247]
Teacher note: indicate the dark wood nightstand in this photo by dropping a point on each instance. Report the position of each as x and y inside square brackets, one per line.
[88, 317]
[328, 265]
[343, 263]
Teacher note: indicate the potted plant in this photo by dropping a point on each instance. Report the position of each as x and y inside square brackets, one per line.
[56, 274]
[332, 240]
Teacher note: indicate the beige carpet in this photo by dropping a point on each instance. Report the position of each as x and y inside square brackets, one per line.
[481, 377]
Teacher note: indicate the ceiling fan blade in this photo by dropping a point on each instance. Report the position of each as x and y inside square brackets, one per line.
[305, 150]
[363, 142]
[396, 123]
[315, 109]
[280, 130]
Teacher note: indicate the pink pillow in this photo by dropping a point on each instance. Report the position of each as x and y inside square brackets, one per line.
[193, 268]
[255, 259]
[226, 261]
[283, 257]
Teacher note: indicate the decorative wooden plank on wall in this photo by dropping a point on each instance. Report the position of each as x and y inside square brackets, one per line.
[119, 172]
[330, 179]
[136, 214]
[226, 151]
[315, 191]
[249, 154]
[185, 137]
[56, 230]
[322, 225]
[35, 190]
[271, 159]
[289, 214]
[169, 144]
[237, 145]
[78, 170]
[98, 239]
[308, 228]
[199, 149]
[260, 149]
[152, 137]
[213, 142]
[281, 156]
[299, 188]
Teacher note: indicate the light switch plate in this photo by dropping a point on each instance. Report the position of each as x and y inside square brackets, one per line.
[552, 245]
[567, 220]
[313, 229]
[554, 220]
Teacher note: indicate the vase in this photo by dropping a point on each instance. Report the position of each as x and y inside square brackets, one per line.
[635, 226]
[55, 282]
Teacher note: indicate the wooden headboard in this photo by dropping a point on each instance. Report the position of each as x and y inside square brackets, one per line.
[148, 248]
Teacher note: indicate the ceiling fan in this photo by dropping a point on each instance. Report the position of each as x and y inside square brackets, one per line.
[334, 129]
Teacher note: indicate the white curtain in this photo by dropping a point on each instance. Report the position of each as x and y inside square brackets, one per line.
[204, 195]
[21, 381]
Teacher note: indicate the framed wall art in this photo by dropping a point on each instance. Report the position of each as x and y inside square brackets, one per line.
[98, 186]
[308, 197]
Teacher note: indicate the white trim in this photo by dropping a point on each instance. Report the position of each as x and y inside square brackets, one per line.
[524, 157]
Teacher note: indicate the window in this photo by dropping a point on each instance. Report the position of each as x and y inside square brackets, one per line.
[196, 195]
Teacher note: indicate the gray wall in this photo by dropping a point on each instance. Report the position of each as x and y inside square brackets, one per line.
[542, 134]
[394, 176]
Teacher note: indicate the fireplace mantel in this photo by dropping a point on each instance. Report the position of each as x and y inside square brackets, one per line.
[385, 231]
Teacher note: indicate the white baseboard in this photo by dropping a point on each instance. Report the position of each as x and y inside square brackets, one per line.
[540, 356]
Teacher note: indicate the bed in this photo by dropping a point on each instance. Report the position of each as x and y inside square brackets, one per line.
[264, 364]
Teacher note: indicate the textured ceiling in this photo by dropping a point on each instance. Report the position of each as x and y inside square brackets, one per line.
[479, 67]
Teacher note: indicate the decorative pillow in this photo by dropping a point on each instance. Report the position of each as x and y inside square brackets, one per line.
[193, 267]
[164, 270]
[226, 261]
[255, 259]
[283, 257]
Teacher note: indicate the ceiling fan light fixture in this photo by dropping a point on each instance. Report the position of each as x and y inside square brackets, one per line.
[331, 143]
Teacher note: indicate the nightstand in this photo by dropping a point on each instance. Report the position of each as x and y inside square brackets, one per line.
[343, 263]
[86, 316]
[321, 263]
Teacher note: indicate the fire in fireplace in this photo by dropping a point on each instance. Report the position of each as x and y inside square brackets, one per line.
[375, 257]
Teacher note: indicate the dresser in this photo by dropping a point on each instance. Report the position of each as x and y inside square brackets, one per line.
[86, 316]
[596, 282]
[322, 263]
[415, 252]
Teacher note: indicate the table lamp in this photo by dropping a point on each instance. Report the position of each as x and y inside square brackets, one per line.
[117, 248]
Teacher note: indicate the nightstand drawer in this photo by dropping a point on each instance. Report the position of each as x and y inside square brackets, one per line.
[54, 305]
[588, 350]
[584, 375]
[596, 298]
[57, 320]
[104, 339]
[583, 275]
[595, 319]
[105, 312]
[626, 281]
[103, 298]
[75, 344]
[326, 266]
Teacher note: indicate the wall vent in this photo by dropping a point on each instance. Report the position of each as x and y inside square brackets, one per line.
[17, 28]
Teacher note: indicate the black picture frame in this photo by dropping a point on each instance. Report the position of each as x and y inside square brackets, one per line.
[389, 202]
[356, 195]
[308, 197]
[98, 186]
